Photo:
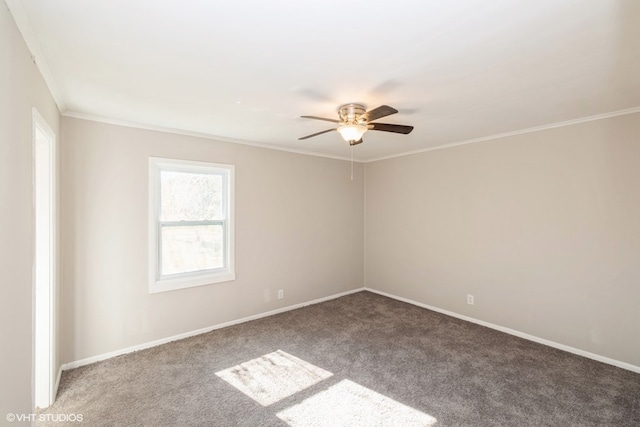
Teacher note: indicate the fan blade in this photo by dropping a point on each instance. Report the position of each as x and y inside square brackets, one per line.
[316, 134]
[386, 127]
[360, 141]
[378, 113]
[320, 118]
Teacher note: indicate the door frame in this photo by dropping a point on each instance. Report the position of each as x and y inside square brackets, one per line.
[45, 250]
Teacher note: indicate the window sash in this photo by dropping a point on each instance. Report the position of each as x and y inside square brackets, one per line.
[202, 170]
[170, 224]
[161, 224]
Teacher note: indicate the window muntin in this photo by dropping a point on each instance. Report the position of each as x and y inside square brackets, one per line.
[191, 223]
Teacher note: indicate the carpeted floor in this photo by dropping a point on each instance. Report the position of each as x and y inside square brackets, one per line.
[362, 359]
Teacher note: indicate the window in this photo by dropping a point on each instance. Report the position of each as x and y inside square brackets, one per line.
[190, 224]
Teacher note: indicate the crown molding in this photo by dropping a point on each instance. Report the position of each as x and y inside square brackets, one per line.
[157, 128]
[513, 133]
[317, 154]
[20, 17]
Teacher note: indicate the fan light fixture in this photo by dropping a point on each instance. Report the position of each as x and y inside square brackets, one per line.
[352, 132]
[354, 121]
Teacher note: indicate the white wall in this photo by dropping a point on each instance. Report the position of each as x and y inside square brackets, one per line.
[542, 228]
[21, 88]
[298, 227]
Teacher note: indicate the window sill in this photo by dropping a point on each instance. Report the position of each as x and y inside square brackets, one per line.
[167, 285]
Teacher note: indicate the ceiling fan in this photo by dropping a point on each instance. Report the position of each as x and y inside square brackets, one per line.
[355, 120]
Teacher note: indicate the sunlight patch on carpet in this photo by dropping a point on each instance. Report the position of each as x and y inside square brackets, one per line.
[272, 377]
[349, 404]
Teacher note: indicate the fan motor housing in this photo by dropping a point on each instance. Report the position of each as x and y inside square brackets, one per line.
[350, 112]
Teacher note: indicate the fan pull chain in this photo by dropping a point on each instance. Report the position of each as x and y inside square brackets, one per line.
[351, 162]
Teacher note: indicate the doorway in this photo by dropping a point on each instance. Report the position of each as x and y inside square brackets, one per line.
[45, 261]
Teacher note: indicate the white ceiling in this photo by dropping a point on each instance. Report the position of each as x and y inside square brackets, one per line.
[457, 70]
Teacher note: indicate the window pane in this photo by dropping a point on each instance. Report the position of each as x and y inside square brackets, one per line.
[190, 196]
[192, 248]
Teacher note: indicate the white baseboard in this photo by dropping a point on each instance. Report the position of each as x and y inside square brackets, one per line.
[100, 357]
[509, 331]
[519, 334]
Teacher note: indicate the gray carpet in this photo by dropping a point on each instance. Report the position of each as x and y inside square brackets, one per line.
[362, 359]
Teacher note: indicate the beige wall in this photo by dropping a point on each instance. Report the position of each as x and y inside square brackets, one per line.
[542, 228]
[21, 88]
[298, 228]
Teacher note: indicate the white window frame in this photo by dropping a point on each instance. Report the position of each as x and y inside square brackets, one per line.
[159, 283]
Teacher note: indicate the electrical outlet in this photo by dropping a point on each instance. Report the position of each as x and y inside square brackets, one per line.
[280, 293]
[470, 299]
